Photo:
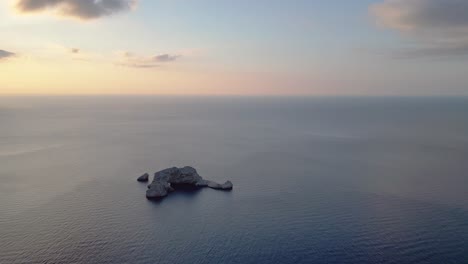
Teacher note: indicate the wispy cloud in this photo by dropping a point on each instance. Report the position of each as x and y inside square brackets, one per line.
[131, 60]
[439, 27]
[82, 9]
[6, 54]
[165, 58]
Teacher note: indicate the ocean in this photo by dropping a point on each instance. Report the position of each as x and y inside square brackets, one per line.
[316, 179]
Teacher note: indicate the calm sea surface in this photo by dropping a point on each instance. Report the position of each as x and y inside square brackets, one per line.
[316, 180]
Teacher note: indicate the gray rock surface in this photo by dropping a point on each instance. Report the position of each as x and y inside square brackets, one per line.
[166, 180]
[143, 178]
[225, 186]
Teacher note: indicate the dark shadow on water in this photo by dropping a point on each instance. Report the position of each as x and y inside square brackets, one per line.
[185, 191]
[181, 190]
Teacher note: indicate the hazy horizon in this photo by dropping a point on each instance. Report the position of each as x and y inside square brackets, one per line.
[276, 96]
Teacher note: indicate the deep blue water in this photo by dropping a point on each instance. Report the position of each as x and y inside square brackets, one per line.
[316, 180]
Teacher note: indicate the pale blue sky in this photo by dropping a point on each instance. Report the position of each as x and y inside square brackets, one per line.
[283, 47]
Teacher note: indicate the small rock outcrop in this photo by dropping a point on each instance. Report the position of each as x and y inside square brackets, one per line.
[168, 180]
[143, 178]
[214, 185]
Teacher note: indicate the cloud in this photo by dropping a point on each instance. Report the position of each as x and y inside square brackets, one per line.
[6, 54]
[165, 58]
[82, 9]
[439, 27]
[75, 50]
[131, 60]
[425, 50]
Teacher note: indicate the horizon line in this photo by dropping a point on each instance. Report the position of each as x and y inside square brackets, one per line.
[226, 95]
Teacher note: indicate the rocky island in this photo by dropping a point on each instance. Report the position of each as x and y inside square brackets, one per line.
[168, 180]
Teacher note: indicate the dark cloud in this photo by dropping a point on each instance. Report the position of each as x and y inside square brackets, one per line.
[75, 50]
[6, 54]
[439, 26]
[83, 9]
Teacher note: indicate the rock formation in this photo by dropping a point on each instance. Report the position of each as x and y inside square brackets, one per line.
[168, 180]
[143, 178]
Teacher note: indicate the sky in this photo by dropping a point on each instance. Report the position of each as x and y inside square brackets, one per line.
[242, 47]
